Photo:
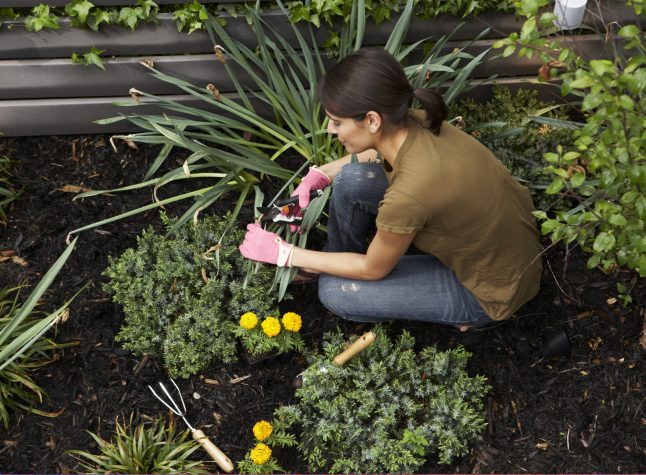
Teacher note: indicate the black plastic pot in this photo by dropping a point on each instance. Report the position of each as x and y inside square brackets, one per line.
[555, 343]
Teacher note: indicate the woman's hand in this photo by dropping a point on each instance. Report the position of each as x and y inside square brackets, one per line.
[264, 246]
[315, 179]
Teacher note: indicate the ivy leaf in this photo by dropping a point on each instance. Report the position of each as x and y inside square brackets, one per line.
[97, 17]
[92, 57]
[79, 10]
[129, 17]
[148, 7]
[41, 18]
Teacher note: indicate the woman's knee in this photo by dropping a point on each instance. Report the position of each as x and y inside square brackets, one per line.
[356, 180]
[334, 298]
[341, 297]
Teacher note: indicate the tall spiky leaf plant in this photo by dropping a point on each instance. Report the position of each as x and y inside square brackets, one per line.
[235, 139]
[23, 346]
[156, 447]
[7, 193]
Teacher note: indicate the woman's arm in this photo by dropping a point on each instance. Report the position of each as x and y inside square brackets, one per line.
[384, 252]
[332, 168]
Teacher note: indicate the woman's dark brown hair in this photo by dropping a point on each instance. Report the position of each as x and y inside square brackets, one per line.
[371, 79]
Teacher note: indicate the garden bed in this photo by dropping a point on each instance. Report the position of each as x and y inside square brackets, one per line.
[582, 413]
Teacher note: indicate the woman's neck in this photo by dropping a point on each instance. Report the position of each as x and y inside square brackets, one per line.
[390, 145]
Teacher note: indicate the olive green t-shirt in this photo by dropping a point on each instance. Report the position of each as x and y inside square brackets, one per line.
[468, 211]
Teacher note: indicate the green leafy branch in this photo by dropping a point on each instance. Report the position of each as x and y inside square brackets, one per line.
[606, 170]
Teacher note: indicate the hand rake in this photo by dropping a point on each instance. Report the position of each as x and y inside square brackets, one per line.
[216, 454]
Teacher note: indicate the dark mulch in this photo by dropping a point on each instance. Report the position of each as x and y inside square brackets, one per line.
[582, 413]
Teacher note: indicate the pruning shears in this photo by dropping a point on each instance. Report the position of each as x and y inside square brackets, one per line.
[282, 211]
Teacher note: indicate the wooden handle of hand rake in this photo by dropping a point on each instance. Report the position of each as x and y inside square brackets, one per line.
[359, 345]
[216, 454]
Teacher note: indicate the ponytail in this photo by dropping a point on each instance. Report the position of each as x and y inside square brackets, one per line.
[433, 104]
[371, 79]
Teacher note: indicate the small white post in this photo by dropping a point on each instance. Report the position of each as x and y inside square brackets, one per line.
[569, 13]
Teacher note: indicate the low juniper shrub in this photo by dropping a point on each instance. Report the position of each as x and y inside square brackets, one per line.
[183, 295]
[388, 409]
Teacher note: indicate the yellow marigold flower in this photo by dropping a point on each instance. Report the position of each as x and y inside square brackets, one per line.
[271, 326]
[248, 321]
[262, 430]
[292, 321]
[260, 454]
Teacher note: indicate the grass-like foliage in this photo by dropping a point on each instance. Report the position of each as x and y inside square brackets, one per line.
[23, 346]
[182, 294]
[388, 409]
[506, 125]
[154, 447]
[235, 137]
[7, 193]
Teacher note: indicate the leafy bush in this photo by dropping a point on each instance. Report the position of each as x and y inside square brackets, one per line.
[386, 410]
[149, 448]
[604, 172]
[23, 346]
[504, 124]
[182, 295]
[322, 11]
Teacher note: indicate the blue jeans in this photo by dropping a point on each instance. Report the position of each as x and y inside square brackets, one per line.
[420, 287]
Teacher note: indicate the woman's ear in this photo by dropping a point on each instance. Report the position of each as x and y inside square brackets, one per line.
[374, 121]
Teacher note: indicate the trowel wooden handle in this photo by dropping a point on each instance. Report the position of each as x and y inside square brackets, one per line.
[216, 454]
[359, 345]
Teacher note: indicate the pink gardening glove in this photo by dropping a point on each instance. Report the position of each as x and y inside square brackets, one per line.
[263, 246]
[314, 180]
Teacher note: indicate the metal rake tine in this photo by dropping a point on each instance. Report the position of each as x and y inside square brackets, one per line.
[160, 399]
[181, 398]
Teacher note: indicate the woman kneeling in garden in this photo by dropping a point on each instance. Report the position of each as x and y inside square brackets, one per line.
[438, 190]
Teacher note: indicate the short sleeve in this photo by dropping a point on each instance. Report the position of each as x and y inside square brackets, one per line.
[400, 213]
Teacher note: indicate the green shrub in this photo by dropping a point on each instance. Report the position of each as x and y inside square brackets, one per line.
[604, 172]
[149, 448]
[386, 410]
[182, 295]
[503, 125]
